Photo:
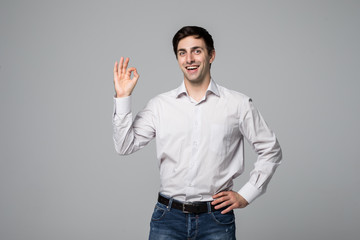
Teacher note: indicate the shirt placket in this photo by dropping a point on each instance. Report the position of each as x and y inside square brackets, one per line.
[195, 144]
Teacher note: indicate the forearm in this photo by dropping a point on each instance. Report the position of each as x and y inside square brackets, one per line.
[123, 135]
[130, 135]
[260, 176]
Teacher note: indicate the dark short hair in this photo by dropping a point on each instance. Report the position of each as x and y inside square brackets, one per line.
[197, 32]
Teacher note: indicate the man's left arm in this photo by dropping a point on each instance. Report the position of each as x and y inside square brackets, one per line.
[265, 144]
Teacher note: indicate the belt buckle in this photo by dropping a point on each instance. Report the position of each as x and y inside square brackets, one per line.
[183, 208]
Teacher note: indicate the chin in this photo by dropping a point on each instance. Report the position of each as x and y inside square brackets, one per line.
[194, 80]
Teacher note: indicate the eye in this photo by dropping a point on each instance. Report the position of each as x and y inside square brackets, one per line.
[181, 53]
[197, 51]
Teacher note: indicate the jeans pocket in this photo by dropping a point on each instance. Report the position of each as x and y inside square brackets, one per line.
[227, 218]
[158, 213]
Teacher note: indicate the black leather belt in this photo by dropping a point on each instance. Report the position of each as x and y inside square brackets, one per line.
[197, 207]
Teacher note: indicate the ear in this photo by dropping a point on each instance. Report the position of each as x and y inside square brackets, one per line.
[212, 56]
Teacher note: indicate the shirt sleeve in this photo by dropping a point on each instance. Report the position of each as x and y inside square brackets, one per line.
[265, 144]
[131, 135]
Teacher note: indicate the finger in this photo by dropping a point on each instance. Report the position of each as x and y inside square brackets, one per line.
[115, 70]
[129, 71]
[220, 200]
[125, 65]
[121, 65]
[223, 204]
[220, 194]
[220, 197]
[231, 207]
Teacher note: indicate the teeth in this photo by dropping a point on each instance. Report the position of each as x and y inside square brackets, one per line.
[191, 68]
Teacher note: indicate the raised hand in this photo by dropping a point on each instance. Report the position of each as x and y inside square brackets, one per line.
[124, 84]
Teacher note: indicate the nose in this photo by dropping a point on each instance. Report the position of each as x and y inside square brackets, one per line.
[189, 58]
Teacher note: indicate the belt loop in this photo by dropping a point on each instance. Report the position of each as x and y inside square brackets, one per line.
[169, 205]
[209, 207]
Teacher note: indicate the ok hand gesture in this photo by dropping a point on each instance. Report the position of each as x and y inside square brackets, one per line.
[124, 84]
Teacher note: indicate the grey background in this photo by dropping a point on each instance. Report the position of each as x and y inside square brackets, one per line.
[60, 177]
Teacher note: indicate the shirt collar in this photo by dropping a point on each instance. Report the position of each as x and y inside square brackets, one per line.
[212, 88]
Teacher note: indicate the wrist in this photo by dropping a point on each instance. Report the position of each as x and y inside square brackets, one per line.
[122, 95]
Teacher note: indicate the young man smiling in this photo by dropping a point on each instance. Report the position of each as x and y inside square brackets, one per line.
[200, 129]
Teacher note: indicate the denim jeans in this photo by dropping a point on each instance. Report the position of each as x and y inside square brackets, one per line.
[173, 224]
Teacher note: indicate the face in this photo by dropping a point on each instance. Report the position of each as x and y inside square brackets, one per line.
[194, 60]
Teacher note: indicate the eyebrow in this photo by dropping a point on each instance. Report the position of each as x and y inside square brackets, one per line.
[193, 48]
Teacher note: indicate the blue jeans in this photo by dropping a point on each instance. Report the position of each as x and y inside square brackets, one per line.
[172, 224]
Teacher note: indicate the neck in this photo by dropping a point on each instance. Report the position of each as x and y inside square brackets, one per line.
[197, 90]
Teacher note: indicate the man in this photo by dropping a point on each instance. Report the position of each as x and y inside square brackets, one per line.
[200, 129]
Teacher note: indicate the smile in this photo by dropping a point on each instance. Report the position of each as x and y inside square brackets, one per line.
[192, 67]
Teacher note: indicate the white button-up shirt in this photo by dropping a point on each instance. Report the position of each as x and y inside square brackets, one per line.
[200, 145]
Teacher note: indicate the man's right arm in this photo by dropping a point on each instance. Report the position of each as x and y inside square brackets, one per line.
[128, 135]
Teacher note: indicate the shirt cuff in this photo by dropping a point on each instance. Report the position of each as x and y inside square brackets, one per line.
[249, 192]
[122, 105]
